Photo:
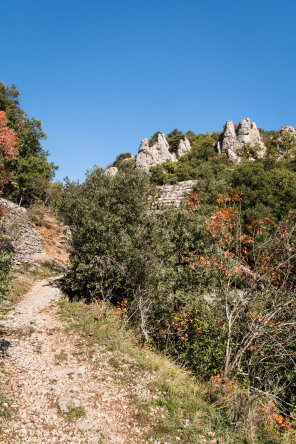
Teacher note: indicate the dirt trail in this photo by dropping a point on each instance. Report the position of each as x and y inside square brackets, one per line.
[58, 392]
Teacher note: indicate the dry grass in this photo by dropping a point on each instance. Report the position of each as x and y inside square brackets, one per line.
[52, 232]
[187, 411]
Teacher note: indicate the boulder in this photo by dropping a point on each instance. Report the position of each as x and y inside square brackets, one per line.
[111, 171]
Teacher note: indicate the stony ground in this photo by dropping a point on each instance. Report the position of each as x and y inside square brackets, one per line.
[57, 391]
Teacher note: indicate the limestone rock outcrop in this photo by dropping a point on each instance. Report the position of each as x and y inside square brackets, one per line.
[172, 195]
[111, 171]
[233, 139]
[33, 245]
[286, 141]
[288, 134]
[288, 129]
[20, 236]
[159, 152]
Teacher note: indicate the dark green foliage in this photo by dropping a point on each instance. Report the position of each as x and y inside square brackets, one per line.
[117, 162]
[154, 138]
[190, 135]
[268, 136]
[31, 173]
[269, 189]
[174, 138]
[108, 238]
[5, 266]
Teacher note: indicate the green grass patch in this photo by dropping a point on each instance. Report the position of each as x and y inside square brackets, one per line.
[75, 413]
[4, 406]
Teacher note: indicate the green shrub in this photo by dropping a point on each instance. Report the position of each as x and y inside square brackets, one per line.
[5, 266]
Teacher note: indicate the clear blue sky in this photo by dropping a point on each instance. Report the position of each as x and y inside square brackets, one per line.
[103, 75]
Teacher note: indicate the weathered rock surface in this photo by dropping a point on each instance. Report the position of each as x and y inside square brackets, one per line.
[288, 129]
[183, 148]
[111, 171]
[285, 142]
[21, 238]
[159, 152]
[235, 138]
[173, 195]
[33, 245]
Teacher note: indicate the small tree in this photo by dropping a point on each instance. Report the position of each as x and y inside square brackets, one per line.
[174, 139]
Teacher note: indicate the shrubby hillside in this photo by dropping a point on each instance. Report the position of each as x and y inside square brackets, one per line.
[25, 173]
[211, 282]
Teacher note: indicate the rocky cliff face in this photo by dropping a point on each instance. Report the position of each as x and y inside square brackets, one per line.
[172, 195]
[20, 237]
[233, 139]
[48, 242]
[159, 152]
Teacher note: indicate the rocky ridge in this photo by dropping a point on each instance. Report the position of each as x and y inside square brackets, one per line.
[159, 152]
[235, 138]
[20, 236]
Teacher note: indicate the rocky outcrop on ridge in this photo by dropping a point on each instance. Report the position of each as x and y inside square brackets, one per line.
[172, 195]
[233, 139]
[159, 152]
[288, 129]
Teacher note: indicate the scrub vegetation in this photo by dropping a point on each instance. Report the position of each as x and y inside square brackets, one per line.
[209, 285]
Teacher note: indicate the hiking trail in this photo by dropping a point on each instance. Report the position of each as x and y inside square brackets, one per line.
[58, 391]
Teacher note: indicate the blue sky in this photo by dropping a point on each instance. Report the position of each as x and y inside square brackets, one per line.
[102, 76]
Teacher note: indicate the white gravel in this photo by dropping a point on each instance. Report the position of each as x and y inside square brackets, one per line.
[42, 372]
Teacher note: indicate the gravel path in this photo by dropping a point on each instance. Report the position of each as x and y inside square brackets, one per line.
[59, 393]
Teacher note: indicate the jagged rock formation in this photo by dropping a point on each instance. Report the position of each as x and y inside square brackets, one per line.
[159, 152]
[111, 171]
[286, 142]
[288, 129]
[172, 195]
[20, 236]
[233, 139]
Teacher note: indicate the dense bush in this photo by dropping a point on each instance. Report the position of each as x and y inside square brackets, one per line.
[5, 266]
[269, 188]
